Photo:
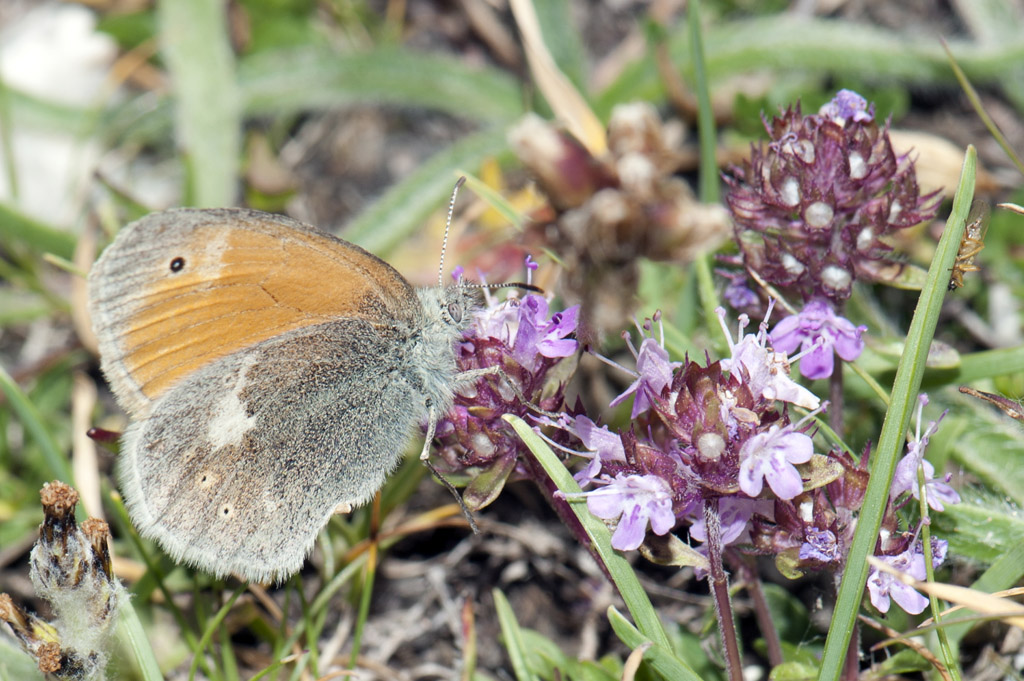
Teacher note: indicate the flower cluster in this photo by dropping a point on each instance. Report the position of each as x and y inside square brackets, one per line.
[813, 209]
[699, 433]
[606, 211]
[814, 530]
[522, 341]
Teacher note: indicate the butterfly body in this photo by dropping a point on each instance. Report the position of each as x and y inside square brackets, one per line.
[272, 373]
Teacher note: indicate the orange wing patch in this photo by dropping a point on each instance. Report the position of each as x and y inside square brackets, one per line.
[245, 277]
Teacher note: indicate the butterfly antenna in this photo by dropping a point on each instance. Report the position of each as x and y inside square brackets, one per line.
[447, 227]
[511, 284]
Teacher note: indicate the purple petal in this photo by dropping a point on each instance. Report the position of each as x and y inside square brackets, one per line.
[818, 363]
[878, 589]
[662, 517]
[784, 479]
[795, 447]
[606, 503]
[632, 389]
[849, 345]
[606, 444]
[586, 475]
[820, 545]
[907, 598]
[940, 494]
[787, 334]
[567, 320]
[535, 308]
[735, 514]
[751, 477]
[905, 477]
[630, 532]
[557, 347]
[653, 365]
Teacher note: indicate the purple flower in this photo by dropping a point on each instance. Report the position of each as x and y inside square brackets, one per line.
[602, 445]
[765, 373]
[737, 293]
[734, 514]
[937, 492]
[882, 586]
[518, 337]
[635, 500]
[653, 374]
[847, 105]
[539, 336]
[821, 333]
[819, 545]
[770, 456]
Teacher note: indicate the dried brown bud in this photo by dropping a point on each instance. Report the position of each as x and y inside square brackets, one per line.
[71, 569]
[615, 209]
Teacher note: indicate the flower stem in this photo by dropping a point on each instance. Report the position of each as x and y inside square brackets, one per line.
[765, 623]
[851, 665]
[835, 398]
[719, 583]
[851, 662]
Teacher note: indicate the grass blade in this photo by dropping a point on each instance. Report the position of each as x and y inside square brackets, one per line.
[33, 422]
[890, 443]
[513, 636]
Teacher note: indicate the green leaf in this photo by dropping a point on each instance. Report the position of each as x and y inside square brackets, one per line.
[982, 529]
[820, 471]
[33, 421]
[133, 634]
[16, 227]
[296, 80]
[670, 550]
[21, 306]
[976, 366]
[660, 657]
[485, 487]
[790, 615]
[794, 671]
[196, 49]
[990, 448]
[826, 46]
[16, 664]
[563, 39]
[903, 662]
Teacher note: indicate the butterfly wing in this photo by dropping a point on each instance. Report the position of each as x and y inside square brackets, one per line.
[180, 289]
[241, 464]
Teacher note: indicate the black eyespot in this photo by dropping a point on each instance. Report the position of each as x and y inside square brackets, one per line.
[455, 311]
[178, 264]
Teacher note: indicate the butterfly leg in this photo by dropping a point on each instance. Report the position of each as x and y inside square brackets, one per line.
[432, 419]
